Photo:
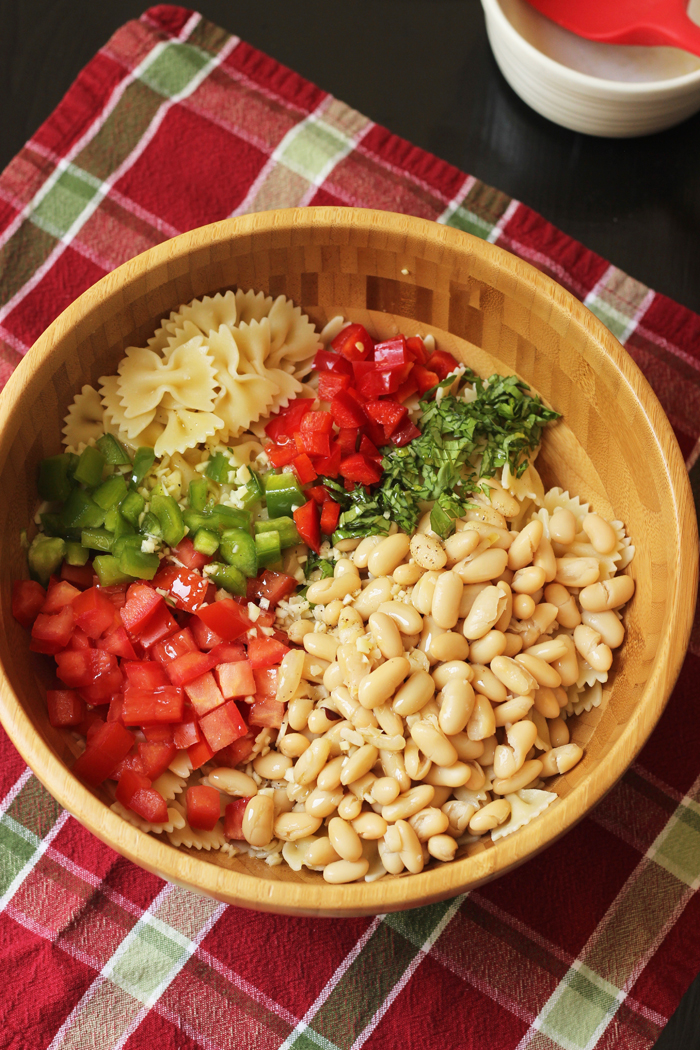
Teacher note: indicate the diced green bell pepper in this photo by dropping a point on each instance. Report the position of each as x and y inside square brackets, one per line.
[254, 491]
[206, 542]
[111, 492]
[169, 515]
[132, 507]
[97, 539]
[284, 526]
[112, 450]
[45, 556]
[151, 526]
[218, 468]
[268, 547]
[143, 461]
[108, 572]
[136, 563]
[238, 549]
[194, 520]
[282, 495]
[198, 494]
[117, 523]
[76, 554]
[122, 542]
[230, 517]
[90, 467]
[230, 578]
[52, 524]
[54, 478]
[81, 512]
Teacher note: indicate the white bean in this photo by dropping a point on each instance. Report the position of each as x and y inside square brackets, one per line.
[258, 820]
[385, 557]
[342, 871]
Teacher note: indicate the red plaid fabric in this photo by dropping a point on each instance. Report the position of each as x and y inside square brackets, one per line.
[172, 125]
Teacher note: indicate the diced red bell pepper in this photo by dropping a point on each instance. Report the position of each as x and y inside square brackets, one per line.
[316, 492]
[361, 469]
[304, 469]
[238, 751]
[145, 674]
[187, 733]
[177, 644]
[90, 724]
[416, 348]
[28, 596]
[189, 589]
[330, 513]
[102, 691]
[129, 783]
[51, 633]
[265, 652]
[330, 383]
[369, 449]
[354, 342]
[199, 753]
[326, 361]
[141, 604]
[408, 388]
[184, 669]
[158, 733]
[79, 640]
[266, 682]
[223, 725]
[392, 354]
[373, 383]
[227, 653]
[132, 762]
[315, 444]
[346, 411]
[375, 433]
[116, 709]
[93, 611]
[316, 423]
[288, 419]
[161, 625]
[387, 414]
[348, 438]
[164, 704]
[65, 707]
[106, 748]
[143, 799]
[425, 378]
[442, 363]
[328, 466]
[204, 638]
[226, 618]
[235, 679]
[405, 433]
[203, 806]
[81, 576]
[308, 524]
[84, 667]
[189, 557]
[60, 593]
[204, 694]
[266, 712]
[274, 586]
[282, 455]
[155, 756]
[233, 819]
[117, 642]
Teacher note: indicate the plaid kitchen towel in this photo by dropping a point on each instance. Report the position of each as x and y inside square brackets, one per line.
[174, 124]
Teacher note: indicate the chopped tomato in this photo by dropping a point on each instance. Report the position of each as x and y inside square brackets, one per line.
[145, 674]
[235, 679]
[93, 611]
[203, 806]
[158, 733]
[81, 576]
[84, 667]
[102, 691]
[266, 712]
[354, 342]
[189, 589]
[238, 751]
[109, 744]
[189, 557]
[308, 524]
[233, 819]
[159, 626]
[361, 469]
[265, 652]
[199, 753]
[330, 512]
[79, 640]
[226, 618]
[227, 653]
[166, 703]
[155, 756]
[116, 708]
[223, 725]
[136, 793]
[28, 596]
[59, 594]
[265, 681]
[141, 603]
[187, 733]
[204, 637]
[65, 707]
[117, 642]
[184, 669]
[177, 644]
[274, 586]
[51, 633]
[204, 694]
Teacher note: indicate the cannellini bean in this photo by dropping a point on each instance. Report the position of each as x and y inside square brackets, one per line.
[414, 694]
[322, 803]
[233, 782]
[406, 618]
[441, 795]
[561, 759]
[543, 618]
[333, 676]
[451, 669]
[370, 826]
[529, 772]
[457, 704]
[484, 512]
[608, 626]
[609, 594]
[428, 551]
[314, 668]
[470, 592]
[514, 644]
[485, 681]
[496, 536]
[354, 665]
[600, 533]
[428, 822]
[544, 559]
[512, 710]
[385, 790]
[259, 820]
[541, 671]
[310, 764]
[446, 599]
[458, 814]
[329, 777]
[298, 629]
[433, 743]
[502, 500]
[449, 646]
[272, 766]
[486, 566]
[293, 744]
[342, 871]
[385, 557]
[466, 749]
[523, 547]
[349, 807]
[503, 622]
[546, 703]
[359, 763]
[592, 648]
[558, 732]
[429, 636]
[347, 545]
[362, 787]
[477, 777]
[523, 606]
[386, 635]
[456, 775]
[363, 550]
[482, 650]
[551, 649]
[282, 801]
[344, 839]
[562, 526]
[323, 645]
[391, 723]
[510, 757]
[394, 766]
[348, 619]
[373, 596]
[320, 852]
[516, 678]
[542, 730]
[391, 861]
[417, 764]
[344, 702]
[408, 803]
[486, 759]
[490, 816]
[319, 722]
[411, 851]
[528, 580]
[482, 722]
[293, 826]
[577, 572]
[484, 613]
[442, 847]
[567, 666]
[333, 588]
[422, 595]
[460, 545]
[380, 685]
[407, 574]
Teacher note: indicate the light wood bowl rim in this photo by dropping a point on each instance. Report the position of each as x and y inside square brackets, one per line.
[447, 880]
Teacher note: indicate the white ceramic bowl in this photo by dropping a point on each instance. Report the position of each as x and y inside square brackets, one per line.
[600, 89]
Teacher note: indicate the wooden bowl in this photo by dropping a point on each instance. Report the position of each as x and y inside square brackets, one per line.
[614, 448]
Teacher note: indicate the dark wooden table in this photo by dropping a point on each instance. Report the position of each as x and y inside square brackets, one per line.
[424, 69]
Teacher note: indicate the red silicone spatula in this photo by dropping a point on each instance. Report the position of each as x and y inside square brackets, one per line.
[652, 22]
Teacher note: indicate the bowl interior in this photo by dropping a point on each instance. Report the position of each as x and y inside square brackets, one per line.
[614, 448]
